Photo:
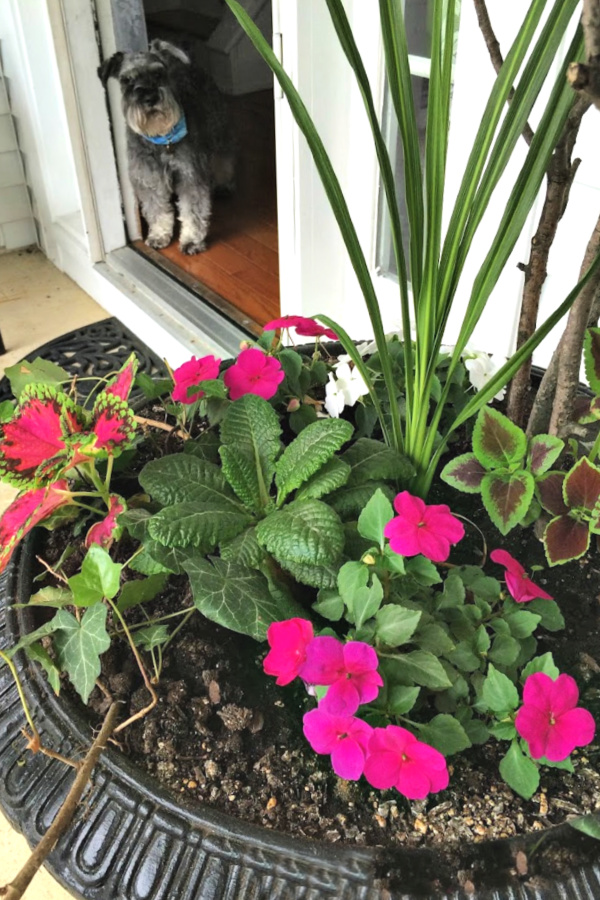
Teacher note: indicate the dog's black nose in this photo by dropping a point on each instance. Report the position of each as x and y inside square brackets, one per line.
[147, 95]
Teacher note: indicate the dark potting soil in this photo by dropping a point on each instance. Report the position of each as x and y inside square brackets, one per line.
[224, 734]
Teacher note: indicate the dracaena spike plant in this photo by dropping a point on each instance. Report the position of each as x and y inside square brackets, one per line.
[429, 276]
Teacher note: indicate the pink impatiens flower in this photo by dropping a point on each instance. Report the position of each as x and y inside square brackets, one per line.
[288, 641]
[350, 670]
[419, 528]
[550, 720]
[304, 327]
[521, 587]
[254, 373]
[192, 373]
[395, 758]
[344, 737]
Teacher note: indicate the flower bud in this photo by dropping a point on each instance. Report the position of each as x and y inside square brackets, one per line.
[293, 405]
[245, 345]
[368, 559]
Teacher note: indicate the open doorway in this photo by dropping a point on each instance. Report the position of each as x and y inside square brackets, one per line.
[238, 273]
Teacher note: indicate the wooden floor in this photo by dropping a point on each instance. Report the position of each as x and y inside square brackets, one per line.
[241, 265]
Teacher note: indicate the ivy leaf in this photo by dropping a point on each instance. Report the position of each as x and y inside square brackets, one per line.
[37, 653]
[313, 447]
[396, 625]
[331, 476]
[51, 596]
[520, 772]
[100, 577]
[151, 636]
[507, 497]
[237, 597]
[465, 473]
[497, 442]
[498, 692]
[140, 590]
[374, 517]
[307, 532]
[446, 734]
[200, 525]
[79, 644]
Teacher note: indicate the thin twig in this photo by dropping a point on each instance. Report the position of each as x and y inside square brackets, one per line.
[52, 571]
[153, 423]
[64, 817]
[142, 712]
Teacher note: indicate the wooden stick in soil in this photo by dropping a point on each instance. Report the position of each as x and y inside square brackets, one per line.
[64, 817]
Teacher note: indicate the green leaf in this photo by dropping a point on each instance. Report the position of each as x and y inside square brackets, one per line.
[205, 446]
[79, 644]
[589, 825]
[544, 450]
[151, 636]
[422, 570]
[145, 564]
[252, 427]
[371, 460]
[498, 442]
[503, 731]
[183, 478]
[396, 625]
[352, 576]
[454, 593]
[302, 418]
[392, 561]
[99, 578]
[315, 576]
[40, 371]
[366, 602]
[313, 447]
[498, 692]
[507, 497]
[551, 617]
[141, 590]
[402, 699]
[446, 734]
[350, 500]
[522, 623]
[520, 772]
[307, 532]
[244, 477]
[244, 549]
[7, 409]
[52, 596]
[374, 517]
[544, 663]
[201, 525]
[464, 657]
[237, 597]
[435, 639]
[504, 650]
[36, 653]
[423, 668]
[591, 356]
[465, 473]
[331, 476]
[329, 605]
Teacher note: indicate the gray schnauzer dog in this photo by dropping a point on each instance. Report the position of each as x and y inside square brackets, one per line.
[178, 141]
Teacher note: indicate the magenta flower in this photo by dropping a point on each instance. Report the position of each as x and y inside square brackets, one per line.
[550, 720]
[288, 641]
[350, 670]
[254, 373]
[343, 737]
[304, 327]
[422, 529]
[395, 758]
[520, 586]
[192, 373]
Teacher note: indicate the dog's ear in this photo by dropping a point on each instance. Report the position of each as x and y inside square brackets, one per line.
[111, 67]
[166, 50]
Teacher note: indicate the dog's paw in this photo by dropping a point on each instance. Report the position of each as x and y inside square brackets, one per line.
[190, 248]
[158, 241]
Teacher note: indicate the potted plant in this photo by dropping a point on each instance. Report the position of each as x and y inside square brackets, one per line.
[288, 501]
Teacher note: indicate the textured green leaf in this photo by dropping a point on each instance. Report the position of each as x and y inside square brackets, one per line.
[307, 532]
[498, 692]
[396, 625]
[308, 452]
[183, 478]
[251, 425]
[507, 498]
[243, 476]
[371, 460]
[205, 446]
[465, 473]
[237, 597]
[350, 500]
[140, 590]
[331, 476]
[136, 522]
[315, 576]
[520, 772]
[37, 653]
[244, 549]
[374, 517]
[446, 734]
[99, 578]
[497, 442]
[200, 525]
[168, 559]
[145, 564]
[79, 644]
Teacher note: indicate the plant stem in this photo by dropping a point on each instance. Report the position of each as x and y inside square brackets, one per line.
[595, 449]
[13, 672]
[142, 712]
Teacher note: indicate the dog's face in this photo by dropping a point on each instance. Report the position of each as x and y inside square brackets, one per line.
[148, 92]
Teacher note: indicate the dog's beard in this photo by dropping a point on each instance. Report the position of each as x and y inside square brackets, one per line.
[158, 120]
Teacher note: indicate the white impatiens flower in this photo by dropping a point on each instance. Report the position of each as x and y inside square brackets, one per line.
[481, 366]
[344, 388]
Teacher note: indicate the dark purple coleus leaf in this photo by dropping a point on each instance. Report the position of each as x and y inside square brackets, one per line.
[581, 489]
[565, 539]
[498, 442]
[544, 450]
[591, 356]
[550, 493]
[27, 510]
[507, 497]
[586, 410]
[464, 473]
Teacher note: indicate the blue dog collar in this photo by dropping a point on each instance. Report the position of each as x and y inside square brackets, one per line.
[176, 134]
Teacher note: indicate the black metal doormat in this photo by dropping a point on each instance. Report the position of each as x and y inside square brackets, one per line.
[93, 350]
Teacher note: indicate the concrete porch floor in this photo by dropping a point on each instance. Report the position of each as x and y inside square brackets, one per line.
[37, 303]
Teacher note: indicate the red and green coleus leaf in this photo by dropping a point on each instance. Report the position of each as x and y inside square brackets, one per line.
[113, 423]
[581, 487]
[497, 442]
[121, 385]
[591, 357]
[586, 410]
[26, 511]
[35, 435]
[464, 473]
[507, 498]
[549, 489]
[565, 538]
[544, 450]
[106, 531]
